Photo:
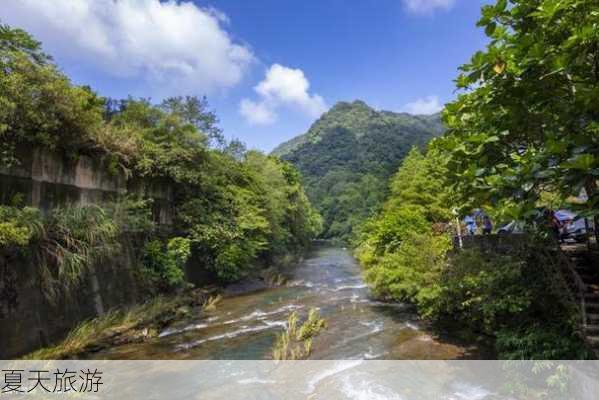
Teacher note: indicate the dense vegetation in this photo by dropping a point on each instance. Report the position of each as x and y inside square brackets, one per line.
[403, 248]
[522, 136]
[234, 209]
[519, 298]
[347, 157]
[527, 122]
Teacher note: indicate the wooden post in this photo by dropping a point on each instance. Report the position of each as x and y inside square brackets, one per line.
[458, 228]
[459, 233]
[588, 234]
[590, 188]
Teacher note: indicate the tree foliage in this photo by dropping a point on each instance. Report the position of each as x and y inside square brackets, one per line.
[39, 105]
[403, 248]
[527, 122]
[523, 133]
[520, 299]
[165, 265]
[234, 209]
[18, 226]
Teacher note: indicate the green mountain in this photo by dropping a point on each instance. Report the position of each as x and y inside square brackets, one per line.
[347, 157]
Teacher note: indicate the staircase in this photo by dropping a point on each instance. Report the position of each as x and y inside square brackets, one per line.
[585, 264]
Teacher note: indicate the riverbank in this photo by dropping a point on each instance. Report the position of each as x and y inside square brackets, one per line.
[126, 326]
[143, 322]
[245, 322]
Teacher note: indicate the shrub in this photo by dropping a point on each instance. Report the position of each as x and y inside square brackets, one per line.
[18, 226]
[410, 272]
[164, 264]
[74, 238]
[518, 298]
[541, 341]
[11, 234]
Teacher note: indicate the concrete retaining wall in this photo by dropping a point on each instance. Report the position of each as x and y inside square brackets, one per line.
[46, 180]
[500, 244]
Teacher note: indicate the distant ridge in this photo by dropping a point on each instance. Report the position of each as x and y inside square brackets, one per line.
[356, 116]
[347, 156]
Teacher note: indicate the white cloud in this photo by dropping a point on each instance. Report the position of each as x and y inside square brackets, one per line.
[282, 86]
[172, 45]
[257, 113]
[428, 105]
[427, 6]
[290, 86]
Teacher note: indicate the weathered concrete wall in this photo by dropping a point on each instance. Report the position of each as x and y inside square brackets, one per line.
[46, 180]
[29, 320]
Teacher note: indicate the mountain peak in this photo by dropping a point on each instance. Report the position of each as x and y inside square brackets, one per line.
[351, 104]
[349, 153]
[360, 119]
[346, 106]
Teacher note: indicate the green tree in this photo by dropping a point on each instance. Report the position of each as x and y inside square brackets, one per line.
[195, 111]
[17, 41]
[528, 121]
[38, 104]
[403, 248]
[165, 265]
[422, 181]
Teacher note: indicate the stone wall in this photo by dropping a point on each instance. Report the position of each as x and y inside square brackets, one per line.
[28, 320]
[500, 244]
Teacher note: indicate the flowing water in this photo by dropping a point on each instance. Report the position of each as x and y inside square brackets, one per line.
[244, 326]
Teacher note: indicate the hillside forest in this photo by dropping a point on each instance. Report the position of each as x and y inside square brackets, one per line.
[347, 157]
[234, 208]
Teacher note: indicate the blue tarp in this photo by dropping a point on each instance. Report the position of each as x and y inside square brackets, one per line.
[563, 215]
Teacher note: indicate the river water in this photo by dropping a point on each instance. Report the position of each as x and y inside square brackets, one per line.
[244, 326]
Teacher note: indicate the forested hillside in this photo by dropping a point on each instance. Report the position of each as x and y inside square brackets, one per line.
[347, 157]
[234, 209]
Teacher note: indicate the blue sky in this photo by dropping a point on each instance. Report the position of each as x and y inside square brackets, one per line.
[268, 67]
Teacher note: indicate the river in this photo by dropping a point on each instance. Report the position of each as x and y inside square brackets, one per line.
[244, 326]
